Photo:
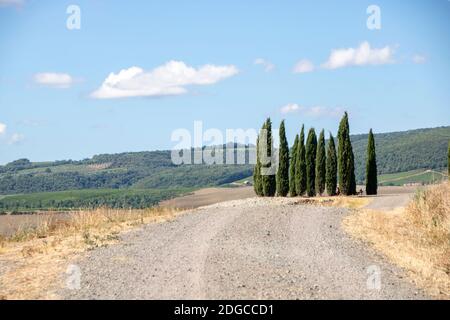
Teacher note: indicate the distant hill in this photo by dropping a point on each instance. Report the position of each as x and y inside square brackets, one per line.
[154, 171]
[404, 151]
[139, 170]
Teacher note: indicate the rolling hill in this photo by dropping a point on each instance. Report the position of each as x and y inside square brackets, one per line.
[404, 151]
[144, 178]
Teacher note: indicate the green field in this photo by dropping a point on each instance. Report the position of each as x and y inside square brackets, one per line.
[87, 199]
[415, 176]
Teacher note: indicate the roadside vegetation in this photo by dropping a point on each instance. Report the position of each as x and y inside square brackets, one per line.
[37, 257]
[417, 238]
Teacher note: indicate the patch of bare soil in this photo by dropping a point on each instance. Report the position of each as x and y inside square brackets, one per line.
[207, 196]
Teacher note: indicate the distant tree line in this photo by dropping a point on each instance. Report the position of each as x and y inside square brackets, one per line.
[310, 169]
[87, 199]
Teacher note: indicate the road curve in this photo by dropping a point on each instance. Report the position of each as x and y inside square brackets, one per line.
[253, 248]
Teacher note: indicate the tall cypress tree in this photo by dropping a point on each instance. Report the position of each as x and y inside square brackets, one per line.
[293, 168]
[341, 153]
[320, 164]
[331, 178]
[268, 176]
[346, 161]
[283, 164]
[300, 182]
[257, 183]
[371, 166]
[311, 150]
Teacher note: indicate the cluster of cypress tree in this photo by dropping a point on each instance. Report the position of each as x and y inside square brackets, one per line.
[313, 167]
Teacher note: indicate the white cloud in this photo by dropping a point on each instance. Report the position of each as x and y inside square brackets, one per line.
[168, 79]
[10, 139]
[419, 59]
[363, 55]
[268, 66]
[291, 107]
[12, 3]
[56, 80]
[316, 111]
[303, 66]
[16, 138]
[2, 128]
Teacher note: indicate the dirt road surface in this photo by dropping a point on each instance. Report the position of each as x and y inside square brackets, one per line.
[255, 248]
[10, 224]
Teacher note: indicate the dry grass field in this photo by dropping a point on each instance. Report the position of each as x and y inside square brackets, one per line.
[33, 259]
[416, 238]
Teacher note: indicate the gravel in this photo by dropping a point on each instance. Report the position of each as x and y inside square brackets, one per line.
[255, 248]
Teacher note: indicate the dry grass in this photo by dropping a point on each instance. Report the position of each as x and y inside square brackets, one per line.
[350, 202]
[342, 201]
[34, 259]
[417, 238]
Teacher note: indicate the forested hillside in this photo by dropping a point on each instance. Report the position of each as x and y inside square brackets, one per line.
[404, 151]
[154, 171]
[396, 152]
[143, 170]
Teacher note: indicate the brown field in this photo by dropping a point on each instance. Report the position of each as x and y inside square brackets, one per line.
[209, 196]
[12, 224]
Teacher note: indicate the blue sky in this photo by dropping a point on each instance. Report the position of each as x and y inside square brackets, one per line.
[228, 64]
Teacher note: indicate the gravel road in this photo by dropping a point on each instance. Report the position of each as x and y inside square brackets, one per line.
[254, 248]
